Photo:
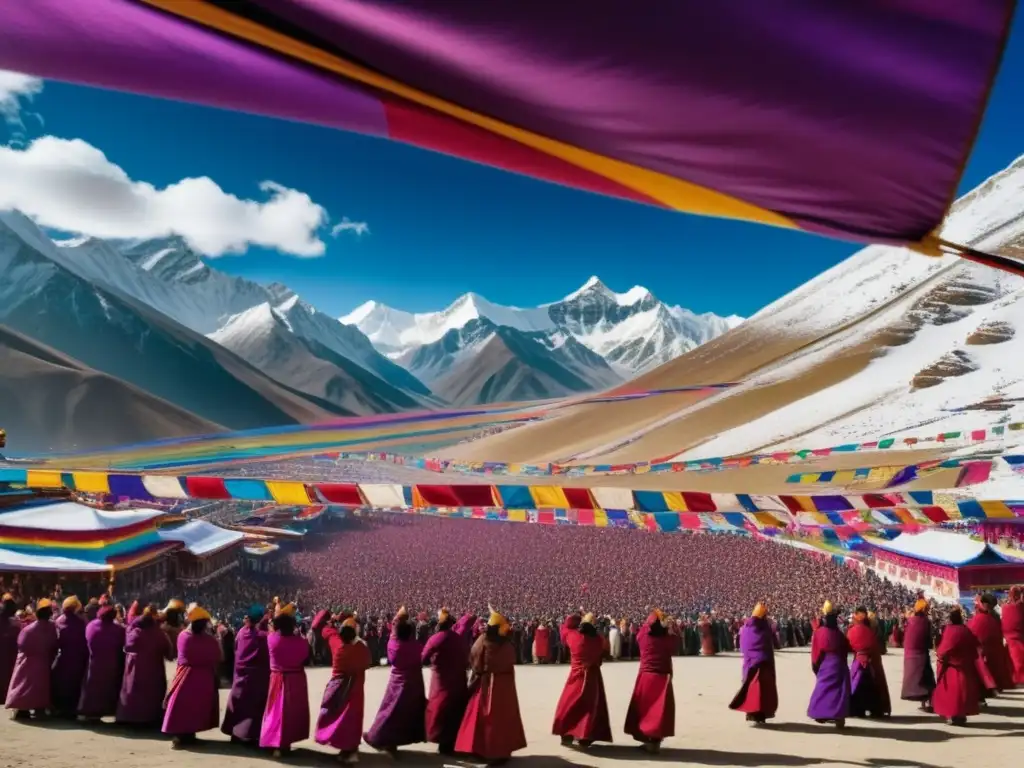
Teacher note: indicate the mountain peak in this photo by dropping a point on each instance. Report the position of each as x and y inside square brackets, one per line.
[593, 285]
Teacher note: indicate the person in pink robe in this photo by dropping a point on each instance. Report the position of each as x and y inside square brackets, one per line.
[582, 711]
[105, 640]
[994, 664]
[9, 631]
[340, 723]
[286, 718]
[29, 691]
[958, 692]
[144, 685]
[1012, 619]
[448, 656]
[651, 716]
[192, 703]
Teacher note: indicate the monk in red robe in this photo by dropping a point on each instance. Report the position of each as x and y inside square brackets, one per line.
[542, 644]
[651, 716]
[918, 675]
[957, 694]
[446, 704]
[1012, 619]
[993, 660]
[869, 691]
[340, 724]
[9, 629]
[707, 636]
[758, 696]
[492, 727]
[582, 712]
[192, 704]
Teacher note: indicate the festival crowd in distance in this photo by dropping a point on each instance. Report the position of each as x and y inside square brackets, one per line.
[90, 662]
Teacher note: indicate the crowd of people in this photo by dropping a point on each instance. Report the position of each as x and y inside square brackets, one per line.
[91, 663]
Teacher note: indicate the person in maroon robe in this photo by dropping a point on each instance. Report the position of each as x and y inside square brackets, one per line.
[1012, 619]
[192, 704]
[72, 659]
[896, 636]
[30, 692]
[174, 620]
[542, 644]
[146, 649]
[651, 716]
[105, 641]
[250, 683]
[492, 728]
[869, 691]
[957, 693]
[582, 712]
[993, 660]
[447, 656]
[9, 629]
[918, 675]
[758, 696]
[707, 636]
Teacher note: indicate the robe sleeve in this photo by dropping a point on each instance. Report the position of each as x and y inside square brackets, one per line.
[817, 650]
[431, 648]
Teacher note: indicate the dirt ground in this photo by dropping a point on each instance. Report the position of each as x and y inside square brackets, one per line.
[707, 732]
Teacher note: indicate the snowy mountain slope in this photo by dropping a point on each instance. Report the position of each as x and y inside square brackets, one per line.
[111, 332]
[508, 365]
[170, 277]
[554, 349]
[51, 402]
[265, 337]
[882, 343]
[632, 331]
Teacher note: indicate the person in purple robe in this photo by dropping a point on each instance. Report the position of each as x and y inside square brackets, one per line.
[758, 696]
[400, 719]
[29, 691]
[10, 628]
[830, 701]
[192, 704]
[251, 680]
[105, 640]
[72, 659]
[448, 656]
[286, 716]
[144, 686]
[918, 675]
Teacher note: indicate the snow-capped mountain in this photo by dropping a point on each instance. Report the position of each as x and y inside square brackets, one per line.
[167, 275]
[51, 299]
[632, 331]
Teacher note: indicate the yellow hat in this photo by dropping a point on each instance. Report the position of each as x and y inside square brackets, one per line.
[350, 622]
[759, 611]
[587, 619]
[71, 603]
[443, 615]
[403, 613]
[174, 604]
[921, 606]
[826, 609]
[499, 621]
[196, 612]
[7, 597]
[44, 603]
[872, 615]
[285, 609]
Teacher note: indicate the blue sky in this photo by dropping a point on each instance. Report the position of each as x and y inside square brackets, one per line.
[440, 227]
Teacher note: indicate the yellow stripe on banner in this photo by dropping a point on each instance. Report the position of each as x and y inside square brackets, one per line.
[600, 518]
[674, 501]
[821, 518]
[768, 520]
[881, 475]
[91, 482]
[806, 503]
[674, 193]
[43, 478]
[513, 469]
[996, 509]
[548, 496]
[517, 515]
[417, 498]
[809, 478]
[844, 477]
[288, 492]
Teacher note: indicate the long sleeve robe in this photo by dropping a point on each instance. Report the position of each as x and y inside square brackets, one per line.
[250, 686]
[651, 715]
[286, 717]
[869, 688]
[30, 680]
[71, 663]
[144, 685]
[340, 723]
[958, 690]
[830, 700]
[582, 711]
[918, 675]
[993, 659]
[758, 696]
[1012, 619]
[192, 703]
[401, 717]
[102, 688]
[492, 727]
[447, 656]
[9, 630]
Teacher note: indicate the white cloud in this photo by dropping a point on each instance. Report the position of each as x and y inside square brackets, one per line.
[358, 228]
[71, 186]
[16, 88]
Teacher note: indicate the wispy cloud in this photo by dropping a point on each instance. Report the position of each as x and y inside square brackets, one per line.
[358, 228]
[72, 186]
[16, 90]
